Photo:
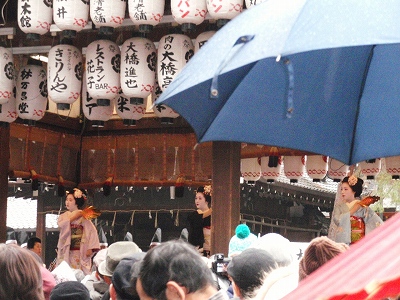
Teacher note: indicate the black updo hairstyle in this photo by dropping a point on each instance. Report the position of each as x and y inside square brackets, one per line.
[357, 187]
[205, 193]
[80, 201]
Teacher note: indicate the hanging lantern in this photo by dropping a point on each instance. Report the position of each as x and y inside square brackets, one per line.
[35, 17]
[8, 111]
[293, 167]
[70, 16]
[202, 38]
[146, 13]
[251, 3]
[270, 173]
[107, 14]
[317, 167]
[102, 71]
[92, 111]
[7, 75]
[189, 13]
[250, 169]
[129, 111]
[138, 68]
[393, 166]
[64, 75]
[224, 10]
[162, 111]
[174, 51]
[337, 170]
[31, 95]
[370, 168]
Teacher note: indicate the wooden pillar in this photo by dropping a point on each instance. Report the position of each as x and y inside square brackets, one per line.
[41, 225]
[4, 167]
[226, 194]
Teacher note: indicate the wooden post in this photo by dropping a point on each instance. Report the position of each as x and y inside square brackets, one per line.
[4, 167]
[226, 194]
[41, 225]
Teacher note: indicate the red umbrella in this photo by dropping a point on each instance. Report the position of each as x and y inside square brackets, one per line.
[370, 269]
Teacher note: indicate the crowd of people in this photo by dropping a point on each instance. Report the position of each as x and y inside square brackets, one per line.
[255, 267]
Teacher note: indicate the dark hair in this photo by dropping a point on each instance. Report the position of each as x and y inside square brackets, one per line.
[32, 241]
[173, 261]
[80, 202]
[356, 188]
[206, 196]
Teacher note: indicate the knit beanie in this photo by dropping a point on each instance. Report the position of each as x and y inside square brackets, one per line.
[242, 240]
[70, 290]
[321, 250]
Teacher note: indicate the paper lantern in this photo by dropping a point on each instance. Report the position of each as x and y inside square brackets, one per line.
[128, 110]
[64, 75]
[146, 13]
[393, 166]
[370, 168]
[268, 171]
[224, 10]
[102, 71]
[107, 14]
[251, 3]
[293, 167]
[138, 68]
[6, 75]
[202, 38]
[35, 17]
[250, 169]
[317, 167]
[71, 16]
[92, 111]
[31, 94]
[174, 51]
[8, 111]
[337, 170]
[189, 13]
[162, 111]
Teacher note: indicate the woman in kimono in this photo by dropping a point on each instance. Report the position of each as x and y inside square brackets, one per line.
[352, 218]
[200, 221]
[78, 236]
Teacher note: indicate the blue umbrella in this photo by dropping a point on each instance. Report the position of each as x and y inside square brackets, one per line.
[320, 76]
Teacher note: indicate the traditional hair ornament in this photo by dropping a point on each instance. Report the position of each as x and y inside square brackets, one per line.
[78, 194]
[207, 190]
[352, 181]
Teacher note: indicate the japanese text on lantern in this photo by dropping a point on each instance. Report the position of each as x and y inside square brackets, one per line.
[25, 75]
[58, 84]
[96, 67]
[26, 11]
[99, 15]
[131, 59]
[168, 67]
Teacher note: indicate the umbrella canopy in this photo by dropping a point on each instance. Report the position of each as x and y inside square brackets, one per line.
[315, 75]
[370, 269]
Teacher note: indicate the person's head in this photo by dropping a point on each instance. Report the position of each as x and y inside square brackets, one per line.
[203, 197]
[242, 240]
[351, 188]
[124, 278]
[20, 276]
[75, 199]
[319, 251]
[70, 290]
[248, 271]
[35, 244]
[174, 269]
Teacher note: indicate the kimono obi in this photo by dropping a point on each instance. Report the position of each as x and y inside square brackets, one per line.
[357, 228]
[76, 236]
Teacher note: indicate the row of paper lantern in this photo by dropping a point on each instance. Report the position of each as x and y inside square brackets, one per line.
[316, 167]
[36, 16]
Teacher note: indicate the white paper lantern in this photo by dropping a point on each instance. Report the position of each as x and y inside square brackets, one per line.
[393, 166]
[189, 13]
[202, 38]
[138, 68]
[103, 71]
[317, 167]
[337, 170]
[64, 75]
[250, 169]
[174, 51]
[71, 16]
[129, 111]
[35, 17]
[224, 10]
[6, 75]
[92, 111]
[31, 95]
[107, 14]
[370, 168]
[293, 167]
[268, 171]
[146, 13]
[251, 3]
[162, 111]
[8, 111]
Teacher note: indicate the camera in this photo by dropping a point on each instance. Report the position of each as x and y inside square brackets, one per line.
[220, 264]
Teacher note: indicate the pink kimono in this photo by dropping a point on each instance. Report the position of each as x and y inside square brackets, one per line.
[88, 240]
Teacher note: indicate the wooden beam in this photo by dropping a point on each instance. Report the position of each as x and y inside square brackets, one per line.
[4, 165]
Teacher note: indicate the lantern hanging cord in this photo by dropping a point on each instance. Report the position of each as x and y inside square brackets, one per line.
[2, 13]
